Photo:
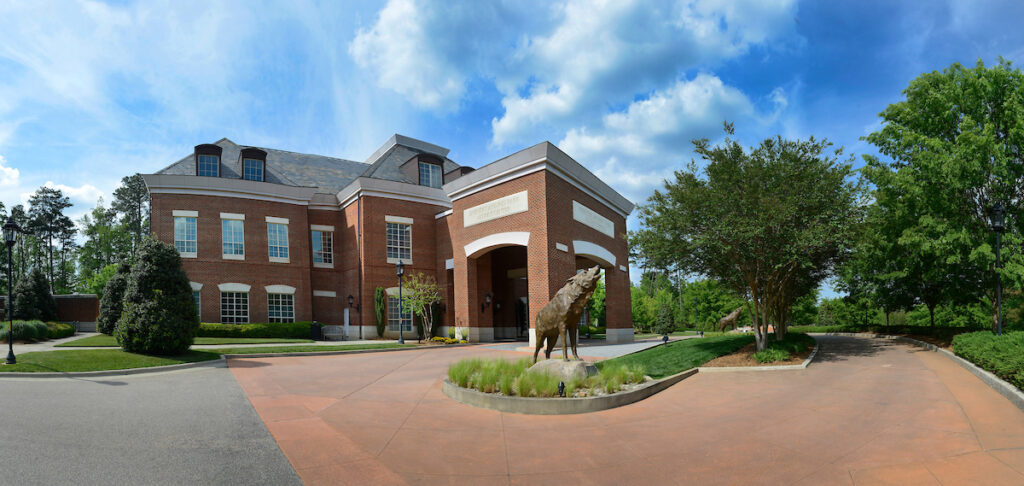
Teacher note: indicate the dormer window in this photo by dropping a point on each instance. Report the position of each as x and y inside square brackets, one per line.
[430, 175]
[254, 163]
[252, 169]
[208, 160]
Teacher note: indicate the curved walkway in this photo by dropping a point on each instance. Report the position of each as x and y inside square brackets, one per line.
[866, 412]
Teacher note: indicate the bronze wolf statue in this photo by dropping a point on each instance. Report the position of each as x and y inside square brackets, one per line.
[561, 316]
[729, 320]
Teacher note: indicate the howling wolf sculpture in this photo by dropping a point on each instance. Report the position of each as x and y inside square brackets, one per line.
[561, 316]
[729, 320]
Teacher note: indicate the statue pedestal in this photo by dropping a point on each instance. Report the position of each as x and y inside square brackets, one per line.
[565, 370]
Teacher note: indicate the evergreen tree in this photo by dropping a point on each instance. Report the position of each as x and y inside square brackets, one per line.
[159, 314]
[32, 298]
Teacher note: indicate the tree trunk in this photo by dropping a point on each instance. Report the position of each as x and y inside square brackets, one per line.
[886, 318]
[931, 314]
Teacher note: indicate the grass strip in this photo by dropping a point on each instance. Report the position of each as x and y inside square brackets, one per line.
[102, 340]
[305, 349]
[97, 360]
[669, 359]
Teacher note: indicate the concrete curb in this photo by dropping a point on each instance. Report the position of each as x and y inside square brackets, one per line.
[719, 369]
[1015, 396]
[214, 363]
[559, 406]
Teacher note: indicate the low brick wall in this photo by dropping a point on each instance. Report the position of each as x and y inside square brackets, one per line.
[83, 308]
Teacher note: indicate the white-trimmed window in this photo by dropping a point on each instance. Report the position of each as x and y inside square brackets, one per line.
[234, 307]
[252, 169]
[277, 239]
[209, 165]
[198, 300]
[233, 236]
[399, 239]
[396, 316]
[323, 246]
[430, 175]
[185, 233]
[281, 307]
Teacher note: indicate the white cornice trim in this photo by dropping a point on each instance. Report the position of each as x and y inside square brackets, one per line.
[364, 186]
[497, 240]
[543, 156]
[224, 187]
[234, 287]
[594, 251]
[181, 213]
[196, 286]
[321, 227]
[443, 214]
[274, 219]
[233, 216]
[280, 289]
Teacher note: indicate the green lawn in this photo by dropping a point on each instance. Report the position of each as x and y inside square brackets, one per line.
[646, 335]
[666, 360]
[102, 340]
[306, 349]
[97, 360]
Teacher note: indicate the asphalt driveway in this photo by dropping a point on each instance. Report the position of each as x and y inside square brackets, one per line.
[184, 427]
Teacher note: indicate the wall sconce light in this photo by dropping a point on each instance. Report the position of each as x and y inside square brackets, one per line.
[487, 301]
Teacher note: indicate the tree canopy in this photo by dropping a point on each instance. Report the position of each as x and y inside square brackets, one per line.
[771, 223]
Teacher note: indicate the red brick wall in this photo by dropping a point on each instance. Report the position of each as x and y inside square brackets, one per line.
[210, 269]
[81, 308]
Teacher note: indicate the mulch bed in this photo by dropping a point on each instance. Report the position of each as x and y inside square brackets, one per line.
[745, 357]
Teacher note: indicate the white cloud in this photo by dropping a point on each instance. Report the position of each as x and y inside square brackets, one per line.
[85, 193]
[9, 176]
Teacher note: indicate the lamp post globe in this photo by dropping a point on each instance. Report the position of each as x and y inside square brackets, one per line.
[400, 270]
[997, 221]
[11, 231]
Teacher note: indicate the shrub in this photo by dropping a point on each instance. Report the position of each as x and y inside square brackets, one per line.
[380, 310]
[57, 330]
[25, 331]
[112, 302]
[1001, 355]
[515, 378]
[159, 312]
[771, 355]
[289, 330]
[32, 298]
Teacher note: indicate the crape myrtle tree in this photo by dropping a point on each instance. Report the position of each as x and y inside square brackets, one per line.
[770, 223]
[159, 314]
[954, 148]
[419, 296]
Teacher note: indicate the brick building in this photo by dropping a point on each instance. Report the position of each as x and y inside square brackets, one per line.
[269, 235]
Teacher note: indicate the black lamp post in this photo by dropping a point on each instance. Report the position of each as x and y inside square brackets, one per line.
[997, 226]
[11, 230]
[400, 270]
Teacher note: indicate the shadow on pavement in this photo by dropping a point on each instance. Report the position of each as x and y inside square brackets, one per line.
[245, 363]
[835, 348]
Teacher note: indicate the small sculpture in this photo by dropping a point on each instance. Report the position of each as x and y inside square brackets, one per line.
[561, 316]
[729, 320]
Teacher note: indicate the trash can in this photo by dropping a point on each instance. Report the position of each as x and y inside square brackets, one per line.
[316, 331]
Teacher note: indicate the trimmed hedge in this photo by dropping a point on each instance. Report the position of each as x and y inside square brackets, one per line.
[26, 331]
[292, 330]
[57, 330]
[1001, 355]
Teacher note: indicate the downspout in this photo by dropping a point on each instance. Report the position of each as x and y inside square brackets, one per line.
[359, 257]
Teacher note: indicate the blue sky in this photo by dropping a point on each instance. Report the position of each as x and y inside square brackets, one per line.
[93, 91]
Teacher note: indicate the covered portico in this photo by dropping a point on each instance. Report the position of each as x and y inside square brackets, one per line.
[520, 227]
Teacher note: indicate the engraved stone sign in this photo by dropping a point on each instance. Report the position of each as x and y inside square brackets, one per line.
[590, 218]
[498, 208]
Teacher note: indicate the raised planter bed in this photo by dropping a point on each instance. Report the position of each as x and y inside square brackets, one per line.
[560, 406]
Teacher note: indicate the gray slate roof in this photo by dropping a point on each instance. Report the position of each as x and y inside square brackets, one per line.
[328, 174]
